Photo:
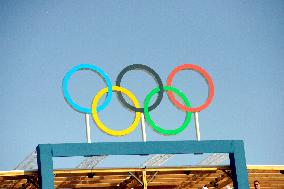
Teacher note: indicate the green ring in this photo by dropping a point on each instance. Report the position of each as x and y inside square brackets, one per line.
[155, 126]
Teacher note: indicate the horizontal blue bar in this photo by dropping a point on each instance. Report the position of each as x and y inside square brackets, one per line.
[142, 148]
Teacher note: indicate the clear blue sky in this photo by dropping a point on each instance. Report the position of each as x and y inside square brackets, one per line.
[240, 43]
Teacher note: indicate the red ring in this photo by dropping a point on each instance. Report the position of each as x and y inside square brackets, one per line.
[206, 77]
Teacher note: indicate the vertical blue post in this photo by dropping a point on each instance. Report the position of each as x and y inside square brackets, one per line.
[238, 166]
[45, 166]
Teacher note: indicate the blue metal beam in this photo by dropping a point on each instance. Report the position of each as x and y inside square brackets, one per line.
[45, 166]
[238, 166]
[234, 147]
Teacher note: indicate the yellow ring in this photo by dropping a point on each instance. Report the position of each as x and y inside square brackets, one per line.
[102, 126]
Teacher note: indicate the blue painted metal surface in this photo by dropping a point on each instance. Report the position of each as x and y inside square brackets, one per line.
[235, 148]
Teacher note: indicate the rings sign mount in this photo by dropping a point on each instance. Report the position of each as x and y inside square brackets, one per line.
[140, 112]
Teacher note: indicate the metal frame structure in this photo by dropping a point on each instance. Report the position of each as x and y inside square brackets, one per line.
[29, 163]
[90, 162]
[235, 148]
[156, 160]
[214, 159]
[184, 177]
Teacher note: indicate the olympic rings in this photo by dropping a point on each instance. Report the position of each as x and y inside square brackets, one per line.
[68, 97]
[206, 77]
[102, 126]
[136, 108]
[155, 126]
[148, 70]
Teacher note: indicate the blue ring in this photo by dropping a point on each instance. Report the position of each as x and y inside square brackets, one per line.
[68, 97]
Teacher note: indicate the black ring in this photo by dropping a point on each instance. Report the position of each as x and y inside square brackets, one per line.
[149, 71]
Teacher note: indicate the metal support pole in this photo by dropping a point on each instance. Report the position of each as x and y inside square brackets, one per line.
[88, 128]
[196, 121]
[143, 127]
[144, 176]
